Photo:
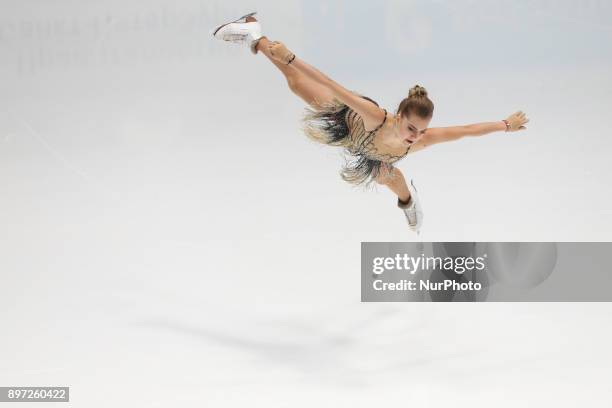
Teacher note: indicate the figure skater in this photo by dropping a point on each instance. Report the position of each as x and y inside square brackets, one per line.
[373, 139]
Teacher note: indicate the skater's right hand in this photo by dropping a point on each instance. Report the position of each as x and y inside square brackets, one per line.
[280, 52]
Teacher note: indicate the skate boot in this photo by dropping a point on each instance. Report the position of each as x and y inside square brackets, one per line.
[412, 209]
[240, 31]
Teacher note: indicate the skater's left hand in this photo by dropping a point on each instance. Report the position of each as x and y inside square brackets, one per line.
[280, 52]
[517, 121]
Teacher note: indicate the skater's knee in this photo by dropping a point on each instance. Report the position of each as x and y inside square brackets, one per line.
[294, 82]
[382, 179]
[385, 175]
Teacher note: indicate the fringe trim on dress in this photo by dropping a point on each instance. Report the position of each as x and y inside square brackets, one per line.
[327, 125]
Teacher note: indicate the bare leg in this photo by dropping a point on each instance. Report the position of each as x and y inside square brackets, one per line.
[397, 184]
[310, 91]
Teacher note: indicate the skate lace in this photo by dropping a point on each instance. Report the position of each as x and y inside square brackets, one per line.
[411, 216]
[234, 37]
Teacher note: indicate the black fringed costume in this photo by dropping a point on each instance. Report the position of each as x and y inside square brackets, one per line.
[336, 124]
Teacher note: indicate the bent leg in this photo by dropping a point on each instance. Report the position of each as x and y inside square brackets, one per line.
[310, 91]
[396, 183]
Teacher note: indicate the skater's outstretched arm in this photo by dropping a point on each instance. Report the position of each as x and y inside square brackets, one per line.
[371, 114]
[514, 122]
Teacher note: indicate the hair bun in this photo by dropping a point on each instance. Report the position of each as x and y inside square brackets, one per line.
[417, 91]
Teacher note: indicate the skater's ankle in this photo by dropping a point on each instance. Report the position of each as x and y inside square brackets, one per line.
[261, 43]
[404, 200]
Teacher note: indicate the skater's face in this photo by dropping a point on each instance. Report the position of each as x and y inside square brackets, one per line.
[412, 128]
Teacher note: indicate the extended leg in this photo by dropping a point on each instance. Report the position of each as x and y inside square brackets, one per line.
[311, 92]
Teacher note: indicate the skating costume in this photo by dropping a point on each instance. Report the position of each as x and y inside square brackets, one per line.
[336, 124]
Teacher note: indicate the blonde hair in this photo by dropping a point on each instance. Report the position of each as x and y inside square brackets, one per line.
[416, 102]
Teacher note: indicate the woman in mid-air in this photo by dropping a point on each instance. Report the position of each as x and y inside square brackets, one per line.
[373, 138]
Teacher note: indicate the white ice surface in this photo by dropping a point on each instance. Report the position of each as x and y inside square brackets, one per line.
[168, 237]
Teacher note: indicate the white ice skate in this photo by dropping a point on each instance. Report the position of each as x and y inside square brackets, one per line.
[412, 209]
[240, 32]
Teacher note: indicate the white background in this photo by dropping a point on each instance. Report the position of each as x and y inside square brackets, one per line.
[168, 236]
